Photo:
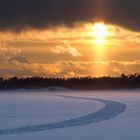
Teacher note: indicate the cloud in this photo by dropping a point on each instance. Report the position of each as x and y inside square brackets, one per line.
[66, 49]
[7, 52]
[10, 57]
[95, 68]
[21, 14]
[70, 69]
[19, 59]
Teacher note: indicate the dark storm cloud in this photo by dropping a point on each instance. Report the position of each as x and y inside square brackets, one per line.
[20, 14]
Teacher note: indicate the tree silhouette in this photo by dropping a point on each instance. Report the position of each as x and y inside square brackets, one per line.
[83, 83]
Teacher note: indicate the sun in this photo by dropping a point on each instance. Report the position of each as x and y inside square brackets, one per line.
[100, 33]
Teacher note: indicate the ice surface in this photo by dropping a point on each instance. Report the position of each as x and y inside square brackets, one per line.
[19, 109]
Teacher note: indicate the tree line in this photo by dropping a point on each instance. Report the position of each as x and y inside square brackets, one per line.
[82, 83]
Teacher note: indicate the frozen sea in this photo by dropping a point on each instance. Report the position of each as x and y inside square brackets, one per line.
[70, 115]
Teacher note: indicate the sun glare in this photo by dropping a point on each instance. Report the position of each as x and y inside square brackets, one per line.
[99, 33]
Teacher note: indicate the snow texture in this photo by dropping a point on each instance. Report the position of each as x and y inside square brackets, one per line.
[110, 110]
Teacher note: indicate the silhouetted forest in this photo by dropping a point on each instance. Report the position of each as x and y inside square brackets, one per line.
[83, 83]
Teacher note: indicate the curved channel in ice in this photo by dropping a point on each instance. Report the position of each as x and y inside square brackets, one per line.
[111, 110]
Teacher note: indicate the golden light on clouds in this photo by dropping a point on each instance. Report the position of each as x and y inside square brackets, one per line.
[88, 49]
[100, 33]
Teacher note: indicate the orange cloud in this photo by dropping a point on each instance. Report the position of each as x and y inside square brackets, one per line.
[66, 49]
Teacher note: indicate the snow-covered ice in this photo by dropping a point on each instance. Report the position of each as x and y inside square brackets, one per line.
[108, 115]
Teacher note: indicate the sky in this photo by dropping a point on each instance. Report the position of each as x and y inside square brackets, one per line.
[69, 38]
